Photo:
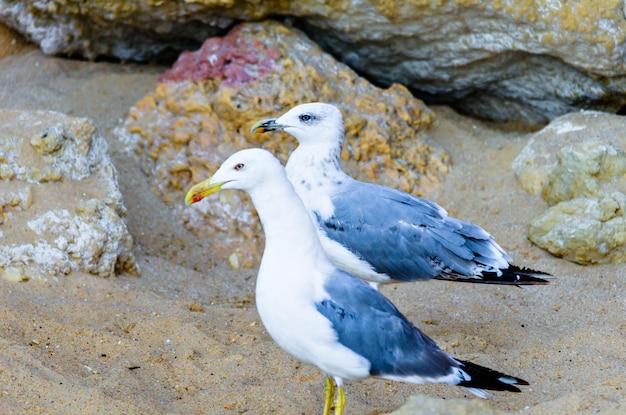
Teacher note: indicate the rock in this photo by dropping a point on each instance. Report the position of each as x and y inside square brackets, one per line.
[584, 230]
[577, 165]
[202, 109]
[497, 59]
[60, 206]
[577, 155]
[583, 170]
[425, 405]
[128, 30]
[13, 274]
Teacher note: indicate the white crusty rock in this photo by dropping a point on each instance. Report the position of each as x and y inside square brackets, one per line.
[60, 206]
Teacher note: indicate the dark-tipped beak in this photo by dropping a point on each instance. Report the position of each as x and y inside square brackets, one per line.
[264, 126]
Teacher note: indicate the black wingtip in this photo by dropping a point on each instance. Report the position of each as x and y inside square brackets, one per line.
[513, 275]
[485, 378]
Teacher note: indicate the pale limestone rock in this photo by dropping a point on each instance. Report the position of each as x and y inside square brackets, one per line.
[577, 164]
[577, 155]
[584, 230]
[60, 206]
[590, 169]
[13, 274]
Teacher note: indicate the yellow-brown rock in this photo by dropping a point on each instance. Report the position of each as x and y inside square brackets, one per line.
[202, 109]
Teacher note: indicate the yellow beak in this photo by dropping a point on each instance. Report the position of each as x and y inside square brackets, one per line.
[202, 190]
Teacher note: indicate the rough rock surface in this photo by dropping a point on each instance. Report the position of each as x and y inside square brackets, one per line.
[577, 165]
[128, 30]
[579, 154]
[530, 60]
[46, 152]
[202, 109]
[584, 230]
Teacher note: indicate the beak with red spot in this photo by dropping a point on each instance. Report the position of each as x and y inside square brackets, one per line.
[202, 190]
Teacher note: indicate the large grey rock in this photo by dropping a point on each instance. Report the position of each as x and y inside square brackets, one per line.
[498, 59]
[60, 206]
[128, 30]
[577, 165]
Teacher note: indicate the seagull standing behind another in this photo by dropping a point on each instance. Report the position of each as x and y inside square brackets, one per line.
[322, 315]
[377, 233]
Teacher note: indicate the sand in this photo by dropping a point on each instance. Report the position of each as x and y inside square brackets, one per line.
[185, 337]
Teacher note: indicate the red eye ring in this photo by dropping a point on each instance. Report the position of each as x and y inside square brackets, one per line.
[239, 166]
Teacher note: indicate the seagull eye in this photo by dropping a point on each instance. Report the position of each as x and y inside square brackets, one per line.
[305, 117]
[239, 166]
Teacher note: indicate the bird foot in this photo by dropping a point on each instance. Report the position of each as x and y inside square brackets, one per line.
[330, 400]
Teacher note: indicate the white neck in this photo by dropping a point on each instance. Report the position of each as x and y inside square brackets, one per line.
[315, 172]
[290, 236]
[315, 158]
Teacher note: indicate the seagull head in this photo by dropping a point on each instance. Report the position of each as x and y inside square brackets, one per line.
[313, 123]
[246, 170]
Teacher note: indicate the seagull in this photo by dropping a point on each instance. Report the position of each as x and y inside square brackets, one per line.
[379, 234]
[322, 315]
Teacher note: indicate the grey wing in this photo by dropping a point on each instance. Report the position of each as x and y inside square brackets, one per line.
[370, 325]
[407, 237]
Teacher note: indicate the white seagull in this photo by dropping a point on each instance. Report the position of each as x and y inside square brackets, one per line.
[377, 233]
[322, 315]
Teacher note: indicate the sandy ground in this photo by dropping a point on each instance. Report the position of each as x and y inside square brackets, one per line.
[185, 337]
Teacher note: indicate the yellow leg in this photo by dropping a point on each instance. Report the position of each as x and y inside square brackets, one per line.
[329, 394]
[340, 400]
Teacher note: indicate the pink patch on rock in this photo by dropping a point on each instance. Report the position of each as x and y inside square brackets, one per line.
[234, 60]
